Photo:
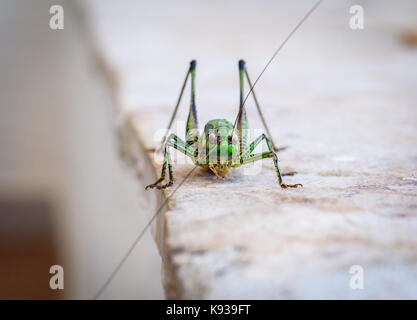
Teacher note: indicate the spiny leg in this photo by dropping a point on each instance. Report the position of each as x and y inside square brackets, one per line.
[248, 157]
[270, 154]
[167, 161]
[242, 121]
[191, 129]
[174, 142]
[255, 143]
[177, 143]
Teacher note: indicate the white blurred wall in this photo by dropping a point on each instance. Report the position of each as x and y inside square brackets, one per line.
[57, 142]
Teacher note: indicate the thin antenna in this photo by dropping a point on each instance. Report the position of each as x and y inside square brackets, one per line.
[139, 237]
[273, 57]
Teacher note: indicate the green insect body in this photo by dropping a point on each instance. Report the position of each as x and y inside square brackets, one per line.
[220, 147]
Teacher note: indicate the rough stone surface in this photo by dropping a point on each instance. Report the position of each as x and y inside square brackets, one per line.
[344, 102]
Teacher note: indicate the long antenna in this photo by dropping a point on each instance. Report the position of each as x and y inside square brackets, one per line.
[139, 237]
[273, 57]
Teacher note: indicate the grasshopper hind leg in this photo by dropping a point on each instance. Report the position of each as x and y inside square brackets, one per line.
[159, 187]
[191, 129]
[191, 134]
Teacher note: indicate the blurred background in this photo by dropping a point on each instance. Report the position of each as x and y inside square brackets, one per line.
[65, 196]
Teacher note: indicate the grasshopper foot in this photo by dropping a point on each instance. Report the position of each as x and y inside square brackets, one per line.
[164, 186]
[285, 186]
[289, 173]
[159, 187]
[154, 185]
[279, 149]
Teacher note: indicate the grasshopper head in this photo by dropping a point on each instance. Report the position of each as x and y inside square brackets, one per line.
[221, 147]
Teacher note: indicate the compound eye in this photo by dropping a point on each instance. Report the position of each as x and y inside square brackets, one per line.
[212, 138]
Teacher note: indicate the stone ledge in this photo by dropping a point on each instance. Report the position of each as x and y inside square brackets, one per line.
[244, 237]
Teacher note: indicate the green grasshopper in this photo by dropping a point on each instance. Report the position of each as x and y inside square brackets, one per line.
[219, 147]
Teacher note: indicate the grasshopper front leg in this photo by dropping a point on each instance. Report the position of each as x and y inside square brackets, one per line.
[167, 161]
[174, 142]
[248, 157]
